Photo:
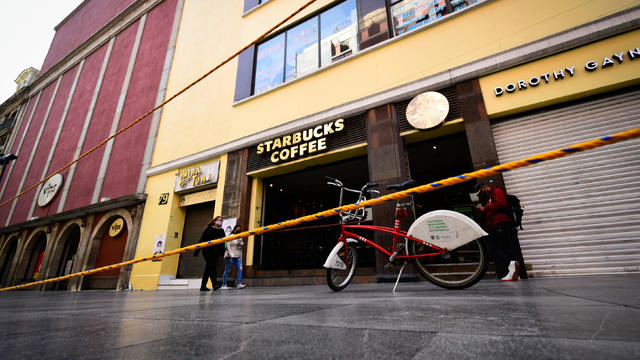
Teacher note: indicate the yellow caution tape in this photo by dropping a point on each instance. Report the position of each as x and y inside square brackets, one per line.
[629, 134]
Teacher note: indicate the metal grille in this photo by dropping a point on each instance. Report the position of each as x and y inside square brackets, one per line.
[355, 132]
[454, 109]
[582, 212]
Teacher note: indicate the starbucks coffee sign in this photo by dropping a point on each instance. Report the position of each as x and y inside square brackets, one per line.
[49, 190]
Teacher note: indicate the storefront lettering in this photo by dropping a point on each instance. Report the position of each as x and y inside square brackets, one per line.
[193, 175]
[198, 176]
[300, 143]
[567, 72]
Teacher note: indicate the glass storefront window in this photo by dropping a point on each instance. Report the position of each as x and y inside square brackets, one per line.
[338, 32]
[410, 15]
[269, 64]
[302, 49]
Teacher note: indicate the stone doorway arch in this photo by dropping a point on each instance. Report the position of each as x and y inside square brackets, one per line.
[7, 259]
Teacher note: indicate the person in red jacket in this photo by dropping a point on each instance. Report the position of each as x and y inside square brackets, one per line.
[502, 233]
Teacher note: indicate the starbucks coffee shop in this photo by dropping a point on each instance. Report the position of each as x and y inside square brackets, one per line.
[421, 138]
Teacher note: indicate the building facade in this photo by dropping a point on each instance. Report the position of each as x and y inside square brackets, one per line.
[327, 94]
[107, 65]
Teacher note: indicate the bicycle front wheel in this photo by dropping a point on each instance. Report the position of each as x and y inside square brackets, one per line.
[338, 279]
[458, 269]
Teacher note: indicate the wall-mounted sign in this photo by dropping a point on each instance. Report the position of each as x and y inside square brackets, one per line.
[116, 227]
[553, 76]
[158, 245]
[301, 143]
[164, 199]
[427, 110]
[49, 190]
[197, 177]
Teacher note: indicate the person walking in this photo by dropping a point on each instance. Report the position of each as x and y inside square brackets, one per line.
[212, 231]
[502, 232]
[233, 257]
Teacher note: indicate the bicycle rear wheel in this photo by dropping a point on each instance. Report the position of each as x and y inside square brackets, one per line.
[458, 269]
[338, 279]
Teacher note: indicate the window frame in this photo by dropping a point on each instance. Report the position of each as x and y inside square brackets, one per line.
[391, 38]
[316, 15]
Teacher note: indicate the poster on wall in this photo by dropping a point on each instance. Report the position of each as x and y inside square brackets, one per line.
[158, 245]
[228, 225]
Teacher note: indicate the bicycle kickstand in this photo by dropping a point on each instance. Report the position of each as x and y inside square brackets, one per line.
[399, 274]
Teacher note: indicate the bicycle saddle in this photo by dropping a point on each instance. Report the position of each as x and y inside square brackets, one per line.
[402, 186]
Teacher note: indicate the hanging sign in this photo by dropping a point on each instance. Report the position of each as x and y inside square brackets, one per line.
[427, 110]
[49, 190]
[116, 227]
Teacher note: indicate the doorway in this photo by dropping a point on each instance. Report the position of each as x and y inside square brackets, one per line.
[7, 260]
[197, 217]
[435, 159]
[68, 256]
[302, 193]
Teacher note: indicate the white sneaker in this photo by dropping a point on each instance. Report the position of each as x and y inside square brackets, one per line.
[241, 286]
[514, 272]
[225, 287]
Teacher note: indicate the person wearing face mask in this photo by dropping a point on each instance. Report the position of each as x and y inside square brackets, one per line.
[212, 231]
[502, 233]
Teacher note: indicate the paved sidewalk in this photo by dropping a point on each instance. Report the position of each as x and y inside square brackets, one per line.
[568, 318]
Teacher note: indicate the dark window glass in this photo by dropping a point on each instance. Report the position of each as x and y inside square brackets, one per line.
[338, 32]
[373, 25]
[410, 15]
[269, 64]
[302, 49]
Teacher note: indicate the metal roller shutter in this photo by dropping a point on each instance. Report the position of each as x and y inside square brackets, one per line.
[582, 212]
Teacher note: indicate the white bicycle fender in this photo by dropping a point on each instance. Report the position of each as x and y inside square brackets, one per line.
[333, 260]
[446, 229]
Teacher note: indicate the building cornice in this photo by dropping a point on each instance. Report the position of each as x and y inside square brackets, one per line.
[116, 25]
[128, 200]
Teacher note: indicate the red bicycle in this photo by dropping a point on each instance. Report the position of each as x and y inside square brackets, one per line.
[444, 245]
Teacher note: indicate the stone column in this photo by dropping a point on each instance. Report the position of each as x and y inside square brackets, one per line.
[387, 165]
[237, 194]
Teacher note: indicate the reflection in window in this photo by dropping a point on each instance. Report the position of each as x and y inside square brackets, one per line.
[338, 32]
[302, 49]
[269, 64]
[372, 24]
[409, 15]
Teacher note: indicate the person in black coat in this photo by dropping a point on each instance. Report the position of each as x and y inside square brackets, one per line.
[212, 231]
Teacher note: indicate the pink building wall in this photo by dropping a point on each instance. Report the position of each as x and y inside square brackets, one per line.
[129, 147]
[84, 179]
[43, 148]
[125, 162]
[90, 17]
[66, 146]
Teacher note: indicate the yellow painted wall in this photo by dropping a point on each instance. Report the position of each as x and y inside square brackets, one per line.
[582, 83]
[165, 219]
[210, 31]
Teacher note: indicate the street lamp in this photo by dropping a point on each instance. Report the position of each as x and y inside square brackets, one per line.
[4, 160]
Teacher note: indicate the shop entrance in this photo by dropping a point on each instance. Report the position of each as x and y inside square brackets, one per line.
[68, 256]
[301, 193]
[7, 259]
[435, 159]
[197, 217]
[111, 251]
[36, 254]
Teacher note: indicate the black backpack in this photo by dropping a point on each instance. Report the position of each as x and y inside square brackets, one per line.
[515, 210]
